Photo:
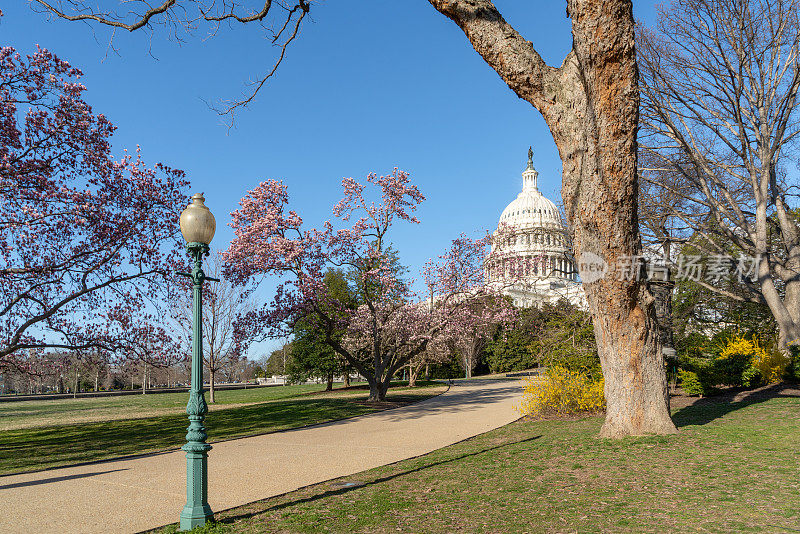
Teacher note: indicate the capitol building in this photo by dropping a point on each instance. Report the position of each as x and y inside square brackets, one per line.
[532, 261]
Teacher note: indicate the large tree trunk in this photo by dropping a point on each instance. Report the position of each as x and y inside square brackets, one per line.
[590, 104]
[329, 382]
[600, 197]
[788, 329]
[347, 378]
[791, 334]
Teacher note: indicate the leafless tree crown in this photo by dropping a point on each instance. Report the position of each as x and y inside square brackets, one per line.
[719, 126]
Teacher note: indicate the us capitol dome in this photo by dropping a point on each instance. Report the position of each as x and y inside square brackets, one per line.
[533, 260]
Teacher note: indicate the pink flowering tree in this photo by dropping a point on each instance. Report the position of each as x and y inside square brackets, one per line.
[84, 240]
[269, 240]
[468, 308]
[390, 325]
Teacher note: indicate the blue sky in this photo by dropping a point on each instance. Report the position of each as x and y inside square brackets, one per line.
[368, 86]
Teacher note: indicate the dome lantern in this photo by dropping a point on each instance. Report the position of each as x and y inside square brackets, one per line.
[530, 175]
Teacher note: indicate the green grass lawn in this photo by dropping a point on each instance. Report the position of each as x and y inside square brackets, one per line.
[41, 447]
[734, 467]
[29, 414]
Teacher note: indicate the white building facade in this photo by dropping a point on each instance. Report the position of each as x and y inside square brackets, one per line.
[533, 262]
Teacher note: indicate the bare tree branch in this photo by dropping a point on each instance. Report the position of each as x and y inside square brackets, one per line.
[176, 14]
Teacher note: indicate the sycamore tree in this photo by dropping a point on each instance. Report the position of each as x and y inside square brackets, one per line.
[719, 134]
[85, 240]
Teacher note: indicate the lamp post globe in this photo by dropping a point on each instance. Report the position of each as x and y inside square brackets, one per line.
[197, 226]
[197, 222]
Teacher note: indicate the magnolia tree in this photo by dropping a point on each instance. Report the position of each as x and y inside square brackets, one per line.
[270, 240]
[84, 240]
[471, 308]
[389, 325]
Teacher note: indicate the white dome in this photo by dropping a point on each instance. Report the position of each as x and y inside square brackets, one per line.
[531, 208]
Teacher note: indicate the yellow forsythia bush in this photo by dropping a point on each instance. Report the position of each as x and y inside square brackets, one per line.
[770, 364]
[741, 345]
[562, 391]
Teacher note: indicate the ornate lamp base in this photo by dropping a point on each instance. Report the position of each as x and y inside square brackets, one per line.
[196, 512]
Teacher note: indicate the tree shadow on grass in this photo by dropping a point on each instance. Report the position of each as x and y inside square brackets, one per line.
[81, 443]
[356, 485]
[705, 410]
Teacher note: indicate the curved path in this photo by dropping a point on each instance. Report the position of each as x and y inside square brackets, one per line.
[135, 494]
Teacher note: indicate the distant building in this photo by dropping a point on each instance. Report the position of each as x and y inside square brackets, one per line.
[535, 262]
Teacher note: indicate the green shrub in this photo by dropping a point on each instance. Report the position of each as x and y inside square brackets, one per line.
[692, 345]
[551, 335]
[793, 369]
[745, 362]
[728, 369]
[691, 383]
[704, 372]
[736, 361]
[504, 355]
[751, 377]
[450, 369]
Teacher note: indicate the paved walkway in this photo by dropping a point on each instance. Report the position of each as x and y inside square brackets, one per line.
[137, 494]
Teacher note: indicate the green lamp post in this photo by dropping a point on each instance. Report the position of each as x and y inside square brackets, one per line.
[197, 226]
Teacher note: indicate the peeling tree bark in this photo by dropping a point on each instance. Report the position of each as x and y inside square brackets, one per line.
[590, 104]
